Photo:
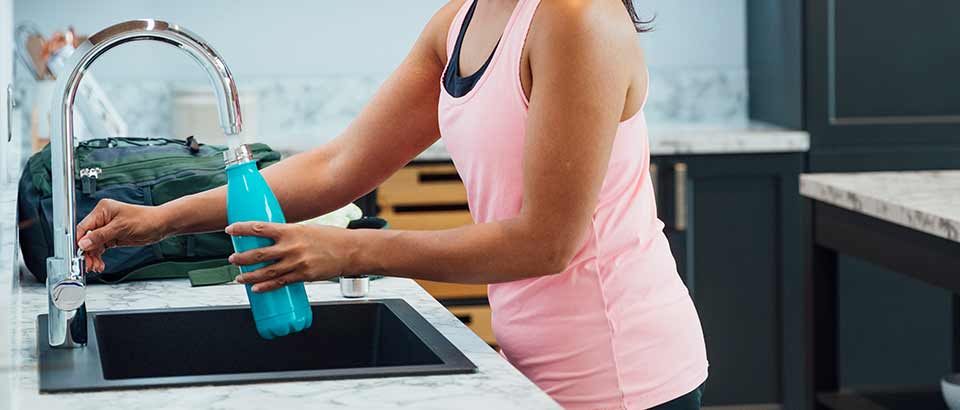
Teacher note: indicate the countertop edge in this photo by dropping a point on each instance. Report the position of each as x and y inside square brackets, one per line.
[8, 262]
[814, 186]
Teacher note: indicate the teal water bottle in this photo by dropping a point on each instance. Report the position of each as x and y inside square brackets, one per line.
[281, 311]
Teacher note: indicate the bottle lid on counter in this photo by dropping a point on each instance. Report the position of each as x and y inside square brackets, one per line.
[237, 155]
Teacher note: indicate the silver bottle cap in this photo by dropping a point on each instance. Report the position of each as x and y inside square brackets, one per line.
[237, 155]
[354, 286]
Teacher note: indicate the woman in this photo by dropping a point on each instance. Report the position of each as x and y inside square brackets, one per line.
[548, 135]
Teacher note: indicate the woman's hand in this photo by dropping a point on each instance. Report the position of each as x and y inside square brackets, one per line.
[301, 253]
[112, 224]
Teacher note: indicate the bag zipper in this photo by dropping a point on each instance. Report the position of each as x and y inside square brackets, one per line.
[88, 179]
[208, 163]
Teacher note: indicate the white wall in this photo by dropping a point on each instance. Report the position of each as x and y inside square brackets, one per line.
[296, 38]
[696, 33]
[257, 38]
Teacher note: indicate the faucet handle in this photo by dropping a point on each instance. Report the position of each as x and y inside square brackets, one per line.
[70, 293]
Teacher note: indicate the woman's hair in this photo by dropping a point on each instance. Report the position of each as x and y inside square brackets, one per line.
[642, 26]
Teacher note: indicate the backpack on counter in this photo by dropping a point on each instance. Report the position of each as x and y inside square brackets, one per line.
[141, 171]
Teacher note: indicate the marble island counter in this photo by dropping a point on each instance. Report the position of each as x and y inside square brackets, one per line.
[925, 201]
[496, 384]
[906, 222]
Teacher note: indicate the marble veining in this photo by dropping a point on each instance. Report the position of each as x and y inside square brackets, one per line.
[497, 385]
[922, 200]
[697, 95]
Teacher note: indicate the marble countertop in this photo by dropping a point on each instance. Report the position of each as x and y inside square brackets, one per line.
[926, 201]
[497, 385]
[700, 139]
[749, 138]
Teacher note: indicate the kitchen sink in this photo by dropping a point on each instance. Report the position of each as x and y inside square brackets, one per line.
[220, 345]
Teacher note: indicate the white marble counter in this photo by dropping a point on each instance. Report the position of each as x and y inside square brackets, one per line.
[926, 201]
[701, 139]
[8, 232]
[496, 385]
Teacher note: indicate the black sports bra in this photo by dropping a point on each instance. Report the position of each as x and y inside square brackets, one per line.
[453, 83]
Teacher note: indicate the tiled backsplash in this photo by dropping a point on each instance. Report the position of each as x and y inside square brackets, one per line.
[298, 113]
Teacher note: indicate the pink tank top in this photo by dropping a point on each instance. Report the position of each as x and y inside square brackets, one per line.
[616, 329]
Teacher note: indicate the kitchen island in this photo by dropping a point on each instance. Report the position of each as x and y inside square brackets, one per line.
[908, 222]
[496, 385]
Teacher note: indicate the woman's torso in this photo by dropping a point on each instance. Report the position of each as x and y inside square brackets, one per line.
[617, 327]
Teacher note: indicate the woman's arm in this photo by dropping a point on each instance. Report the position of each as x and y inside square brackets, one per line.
[397, 124]
[577, 97]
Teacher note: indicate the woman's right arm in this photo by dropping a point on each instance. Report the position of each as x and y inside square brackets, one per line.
[396, 125]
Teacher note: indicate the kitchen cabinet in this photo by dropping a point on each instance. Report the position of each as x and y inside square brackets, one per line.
[733, 222]
[871, 81]
[478, 319]
[424, 196]
[872, 93]
[429, 195]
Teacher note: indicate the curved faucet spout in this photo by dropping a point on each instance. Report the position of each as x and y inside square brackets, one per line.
[64, 268]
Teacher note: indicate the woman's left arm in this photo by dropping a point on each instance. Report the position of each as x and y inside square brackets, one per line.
[576, 101]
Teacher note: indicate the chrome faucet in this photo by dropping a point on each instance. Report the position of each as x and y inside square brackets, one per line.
[66, 275]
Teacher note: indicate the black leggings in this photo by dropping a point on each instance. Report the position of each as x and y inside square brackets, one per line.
[689, 401]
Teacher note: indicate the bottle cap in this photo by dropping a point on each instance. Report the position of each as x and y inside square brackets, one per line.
[354, 286]
[237, 155]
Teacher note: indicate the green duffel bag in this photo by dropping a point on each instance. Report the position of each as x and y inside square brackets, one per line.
[142, 171]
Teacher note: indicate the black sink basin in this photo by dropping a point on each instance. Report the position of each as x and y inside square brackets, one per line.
[176, 347]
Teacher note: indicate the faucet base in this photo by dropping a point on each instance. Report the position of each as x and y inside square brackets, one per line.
[68, 313]
[67, 329]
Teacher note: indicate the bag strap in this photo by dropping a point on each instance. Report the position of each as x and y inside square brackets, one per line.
[213, 276]
[213, 271]
[200, 273]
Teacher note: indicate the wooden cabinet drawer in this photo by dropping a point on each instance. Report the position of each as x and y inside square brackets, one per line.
[425, 220]
[478, 319]
[429, 197]
[424, 197]
[422, 185]
[447, 291]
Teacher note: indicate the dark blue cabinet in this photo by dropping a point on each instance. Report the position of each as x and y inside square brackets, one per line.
[734, 226]
[874, 83]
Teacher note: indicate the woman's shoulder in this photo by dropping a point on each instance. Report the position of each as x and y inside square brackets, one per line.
[438, 27]
[608, 19]
[601, 28]
[444, 15]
